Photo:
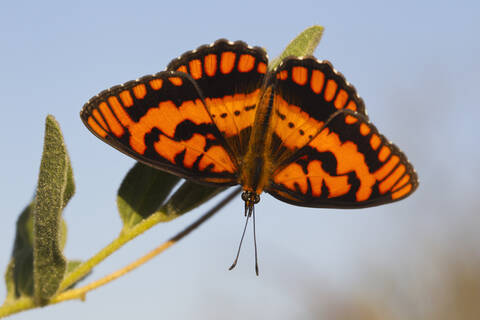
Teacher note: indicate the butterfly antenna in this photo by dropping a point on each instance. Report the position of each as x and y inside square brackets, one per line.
[255, 241]
[247, 214]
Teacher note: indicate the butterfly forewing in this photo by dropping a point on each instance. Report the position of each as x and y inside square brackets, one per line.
[307, 92]
[230, 76]
[347, 165]
[162, 121]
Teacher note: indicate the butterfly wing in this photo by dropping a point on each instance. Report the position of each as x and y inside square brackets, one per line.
[230, 76]
[162, 121]
[306, 93]
[347, 165]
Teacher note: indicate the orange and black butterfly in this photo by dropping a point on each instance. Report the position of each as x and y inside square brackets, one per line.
[218, 116]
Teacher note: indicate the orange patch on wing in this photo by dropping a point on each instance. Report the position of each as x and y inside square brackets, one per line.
[126, 98]
[231, 124]
[176, 81]
[95, 127]
[300, 75]
[227, 62]
[140, 91]
[182, 68]
[168, 148]
[216, 158]
[219, 157]
[282, 75]
[337, 185]
[402, 192]
[113, 123]
[341, 99]
[156, 84]
[246, 63]
[317, 80]
[330, 89]
[194, 111]
[262, 68]
[187, 110]
[304, 125]
[291, 176]
[348, 159]
[166, 117]
[388, 183]
[349, 119]
[196, 69]
[384, 153]
[210, 64]
[384, 170]
[96, 114]
[119, 111]
[196, 145]
[375, 141]
[401, 182]
[351, 105]
[364, 129]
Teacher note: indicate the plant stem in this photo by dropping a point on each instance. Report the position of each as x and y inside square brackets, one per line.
[18, 305]
[80, 292]
[116, 244]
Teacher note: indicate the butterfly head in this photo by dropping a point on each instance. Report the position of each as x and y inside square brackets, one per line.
[251, 198]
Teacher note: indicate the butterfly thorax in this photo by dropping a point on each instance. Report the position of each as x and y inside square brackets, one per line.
[257, 166]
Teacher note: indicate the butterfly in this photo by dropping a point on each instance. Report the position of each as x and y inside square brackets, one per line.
[217, 115]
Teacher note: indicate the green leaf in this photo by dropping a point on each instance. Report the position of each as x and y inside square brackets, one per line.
[71, 266]
[19, 275]
[70, 186]
[55, 188]
[189, 196]
[10, 283]
[303, 45]
[142, 192]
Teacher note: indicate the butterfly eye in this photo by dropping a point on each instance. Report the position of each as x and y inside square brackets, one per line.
[245, 195]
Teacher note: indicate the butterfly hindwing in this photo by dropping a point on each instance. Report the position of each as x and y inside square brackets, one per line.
[347, 165]
[306, 93]
[230, 76]
[161, 120]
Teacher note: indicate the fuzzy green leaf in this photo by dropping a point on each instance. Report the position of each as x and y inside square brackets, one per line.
[187, 197]
[55, 187]
[19, 275]
[303, 45]
[142, 192]
[70, 186]
[10, 283]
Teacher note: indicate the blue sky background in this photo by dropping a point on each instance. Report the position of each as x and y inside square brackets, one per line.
[416, 65]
